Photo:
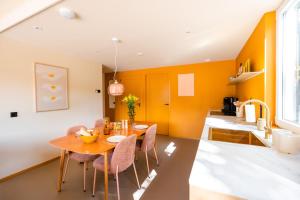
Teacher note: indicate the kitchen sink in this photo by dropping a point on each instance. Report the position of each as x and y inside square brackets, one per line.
[234, 136]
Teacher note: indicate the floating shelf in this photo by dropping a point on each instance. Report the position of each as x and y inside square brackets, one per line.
[244, 77]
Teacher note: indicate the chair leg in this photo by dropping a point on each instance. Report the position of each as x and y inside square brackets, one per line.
[136, 176]
[147, 161]
[94, 184]
[84, 175]
[155, 154]
[118, 187]
[67, 164]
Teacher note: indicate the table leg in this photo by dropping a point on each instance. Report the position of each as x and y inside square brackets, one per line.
[61, 169]
[105, 176]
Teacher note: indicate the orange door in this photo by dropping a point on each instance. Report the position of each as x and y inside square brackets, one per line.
[134, 85]
[157, 101]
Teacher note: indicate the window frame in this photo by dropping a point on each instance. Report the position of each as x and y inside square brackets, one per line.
[295, 127]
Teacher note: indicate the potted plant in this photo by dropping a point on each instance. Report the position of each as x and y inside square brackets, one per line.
[131, 100]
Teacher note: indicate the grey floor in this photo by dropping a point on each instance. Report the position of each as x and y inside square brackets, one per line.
[171, 181]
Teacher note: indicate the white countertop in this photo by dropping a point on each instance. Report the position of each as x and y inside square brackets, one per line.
[243, 171]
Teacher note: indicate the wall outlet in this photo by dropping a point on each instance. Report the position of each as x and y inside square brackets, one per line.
[13, 114]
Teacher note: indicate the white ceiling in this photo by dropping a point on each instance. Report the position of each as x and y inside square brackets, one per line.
[12, 12]
[218, 30]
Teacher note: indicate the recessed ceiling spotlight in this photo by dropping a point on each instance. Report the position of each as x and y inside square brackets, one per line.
[140, 53]
[39, 28]
[187, 32]
[67, 13]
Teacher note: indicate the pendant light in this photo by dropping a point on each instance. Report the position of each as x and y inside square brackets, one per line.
[115, 88]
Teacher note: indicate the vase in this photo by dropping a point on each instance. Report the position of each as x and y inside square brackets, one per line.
[131, 121]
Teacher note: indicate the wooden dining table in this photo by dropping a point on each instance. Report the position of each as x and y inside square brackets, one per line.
[101, 147]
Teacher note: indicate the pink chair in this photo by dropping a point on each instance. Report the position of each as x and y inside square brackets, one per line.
[81, 158]
[121, 159]
[99, 123]
[148, 143]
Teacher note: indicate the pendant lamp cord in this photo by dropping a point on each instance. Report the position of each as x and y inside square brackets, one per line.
[116, 57]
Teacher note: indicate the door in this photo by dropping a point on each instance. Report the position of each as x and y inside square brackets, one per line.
[158, 100]
[134, 85]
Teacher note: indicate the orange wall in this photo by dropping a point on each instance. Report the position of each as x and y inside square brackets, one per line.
[261, 49]
[270, 75]
[187, 114]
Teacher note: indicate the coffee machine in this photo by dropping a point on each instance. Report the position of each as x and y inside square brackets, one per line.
[229, 107]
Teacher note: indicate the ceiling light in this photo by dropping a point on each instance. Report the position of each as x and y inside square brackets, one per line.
[140, 53]
[67, 13]
[37, 28]
[115, 88]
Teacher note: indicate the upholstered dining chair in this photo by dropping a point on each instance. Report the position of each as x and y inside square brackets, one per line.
[81, 158]
[148, 143]
[99, 123]
[120, 160]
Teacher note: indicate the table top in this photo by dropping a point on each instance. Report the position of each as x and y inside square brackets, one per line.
[75, 144]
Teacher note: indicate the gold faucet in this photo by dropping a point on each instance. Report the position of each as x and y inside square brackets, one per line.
[268, 127]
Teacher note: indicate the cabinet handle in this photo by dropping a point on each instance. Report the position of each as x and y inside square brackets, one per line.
[166, 104]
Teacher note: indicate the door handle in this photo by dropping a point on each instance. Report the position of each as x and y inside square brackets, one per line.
[166, 104]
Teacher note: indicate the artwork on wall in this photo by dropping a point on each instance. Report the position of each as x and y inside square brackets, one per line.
[186, 85]
[51, 87]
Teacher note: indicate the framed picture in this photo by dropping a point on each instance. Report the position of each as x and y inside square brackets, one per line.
[186, 85]
[51, 87]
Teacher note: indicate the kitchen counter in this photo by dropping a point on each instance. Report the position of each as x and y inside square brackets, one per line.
[223, 170]
[234, 123]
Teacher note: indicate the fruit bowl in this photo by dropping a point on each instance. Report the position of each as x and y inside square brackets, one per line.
[88, 139]
[88, 136]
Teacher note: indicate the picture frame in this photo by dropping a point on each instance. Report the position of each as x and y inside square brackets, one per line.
[51, 87]
[186, 85]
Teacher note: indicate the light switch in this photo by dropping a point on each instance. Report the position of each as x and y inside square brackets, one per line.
[13, 114]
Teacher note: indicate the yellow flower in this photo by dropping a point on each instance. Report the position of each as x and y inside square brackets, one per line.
[130, 98]
[125, 99]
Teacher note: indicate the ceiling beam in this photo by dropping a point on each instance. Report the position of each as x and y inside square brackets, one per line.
[24, 12]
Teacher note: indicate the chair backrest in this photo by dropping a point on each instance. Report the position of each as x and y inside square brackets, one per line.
[123, 155]
[149, 138]
[74, 129]
[99, 123]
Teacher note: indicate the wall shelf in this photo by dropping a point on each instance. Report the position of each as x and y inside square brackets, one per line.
[244, 77]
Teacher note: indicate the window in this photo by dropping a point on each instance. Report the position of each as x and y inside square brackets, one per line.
[288, 66]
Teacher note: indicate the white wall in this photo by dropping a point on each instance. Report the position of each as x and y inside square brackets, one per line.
[24, 140]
